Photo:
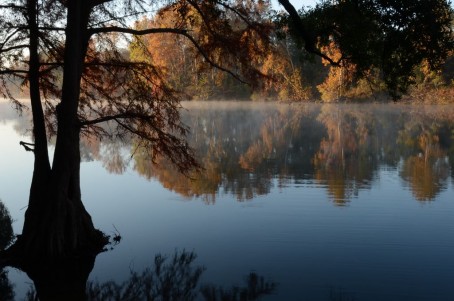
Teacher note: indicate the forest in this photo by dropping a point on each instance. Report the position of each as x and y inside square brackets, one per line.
[290, 73]
[286, 71]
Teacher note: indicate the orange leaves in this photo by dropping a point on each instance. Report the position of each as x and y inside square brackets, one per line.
[222, 37]
[332, 51]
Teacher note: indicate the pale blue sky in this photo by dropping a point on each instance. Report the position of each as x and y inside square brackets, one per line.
[297, 3]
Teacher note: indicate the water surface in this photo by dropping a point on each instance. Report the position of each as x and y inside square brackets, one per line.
[331, 202]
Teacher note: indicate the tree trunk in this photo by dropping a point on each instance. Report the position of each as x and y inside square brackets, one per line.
[59, 243]
[41, 170]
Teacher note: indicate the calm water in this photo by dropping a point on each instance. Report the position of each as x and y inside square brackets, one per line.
[330, 202]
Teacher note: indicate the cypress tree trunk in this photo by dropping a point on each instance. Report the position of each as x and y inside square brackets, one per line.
[59, 243]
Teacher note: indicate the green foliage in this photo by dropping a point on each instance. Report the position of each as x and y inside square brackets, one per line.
[395, 36]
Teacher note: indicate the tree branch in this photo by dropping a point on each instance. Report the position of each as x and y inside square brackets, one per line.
[10, 36]
[309, 38]
[102, 64]
[99, 2]
[50, 28]
[12, 71]
[13, 6]
[239, 14]
[196, 6]
[13, 48]
[113, 117]
[182, 32]
[137, 32]
[27, 145]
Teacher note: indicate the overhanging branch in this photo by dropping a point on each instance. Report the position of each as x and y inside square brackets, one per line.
[309, 38]
[137, 32]
[49, 28]
[178, 31]
[12, 71]
[2, 50]
[238, 13]
[127, 115]
[12, 6]
[99, 2]
[10, 36]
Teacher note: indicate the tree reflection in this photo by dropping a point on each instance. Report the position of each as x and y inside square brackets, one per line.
[169, 279]
[219, 140]
[426, 169]
[426, 177]
[174, 278]
[6, 237]
[347, 158]
[287, 140]
[246, 150]
[203, 185]
[256, 287]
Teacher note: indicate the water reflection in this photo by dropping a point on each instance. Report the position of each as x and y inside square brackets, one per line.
[340, 151]
[247, 149]
[6, 237]
[170, 278]
[174, 278]
[426, 168]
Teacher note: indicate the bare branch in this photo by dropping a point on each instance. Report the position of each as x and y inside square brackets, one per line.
[27, 146]
[238, 13]
[49, 28]
[12, 71]
[202, 52]
[309, 38]
[99, 2]
[10, 36]
[2, 50]
[136, 32]
[182, 32]
[13, 6]
[197, 7]
[103, 64]
[113, 117]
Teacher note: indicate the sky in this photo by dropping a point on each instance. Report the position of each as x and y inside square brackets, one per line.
[297, 3]
[300, 3]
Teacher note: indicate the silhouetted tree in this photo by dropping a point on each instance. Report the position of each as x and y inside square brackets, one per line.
[6, 237]
[394, 36]
[67, 54]
[173, 278]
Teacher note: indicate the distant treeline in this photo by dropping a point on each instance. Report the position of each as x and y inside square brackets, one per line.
[286, 72]
[289, 72]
